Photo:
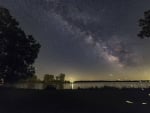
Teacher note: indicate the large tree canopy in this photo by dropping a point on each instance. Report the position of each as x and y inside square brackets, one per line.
[18, 51]
[144, 23]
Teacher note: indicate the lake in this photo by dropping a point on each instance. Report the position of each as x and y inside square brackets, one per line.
[85, 85]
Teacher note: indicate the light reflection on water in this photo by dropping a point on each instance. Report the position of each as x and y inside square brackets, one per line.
[88, 85]
[72, 85]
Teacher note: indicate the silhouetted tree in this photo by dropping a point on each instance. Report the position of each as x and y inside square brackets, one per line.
[18, 51]
[48, 78]
[144, 23]
[61, 77]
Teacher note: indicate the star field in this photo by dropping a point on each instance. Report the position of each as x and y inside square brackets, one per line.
[88, 39]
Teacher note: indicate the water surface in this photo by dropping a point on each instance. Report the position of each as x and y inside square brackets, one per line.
[85, 85]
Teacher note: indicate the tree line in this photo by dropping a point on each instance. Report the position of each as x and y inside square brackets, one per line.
[47, 79]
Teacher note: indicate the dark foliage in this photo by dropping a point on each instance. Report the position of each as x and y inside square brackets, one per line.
[18, 51]
[144, 23]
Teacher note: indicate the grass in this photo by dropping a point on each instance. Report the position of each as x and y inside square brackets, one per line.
[103, 100]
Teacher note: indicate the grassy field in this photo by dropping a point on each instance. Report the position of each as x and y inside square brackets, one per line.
[105, 100]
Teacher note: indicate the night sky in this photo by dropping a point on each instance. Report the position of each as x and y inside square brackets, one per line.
[86, 39]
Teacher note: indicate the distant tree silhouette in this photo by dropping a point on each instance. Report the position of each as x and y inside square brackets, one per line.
[48, 78]
[51, 80]
[61, 77]
[144, 23]
[18, 51]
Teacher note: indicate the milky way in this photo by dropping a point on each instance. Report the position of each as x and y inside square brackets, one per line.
[84, 18]
[85, 38]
